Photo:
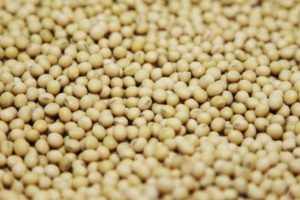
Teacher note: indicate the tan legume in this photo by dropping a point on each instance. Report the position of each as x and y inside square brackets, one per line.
[149, 99]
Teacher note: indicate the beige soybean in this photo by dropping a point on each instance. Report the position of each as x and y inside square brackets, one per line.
[149, 100]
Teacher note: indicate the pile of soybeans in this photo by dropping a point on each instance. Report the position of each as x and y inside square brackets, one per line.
[149, 99]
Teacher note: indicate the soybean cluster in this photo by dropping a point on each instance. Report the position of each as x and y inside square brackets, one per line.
[149, 99]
